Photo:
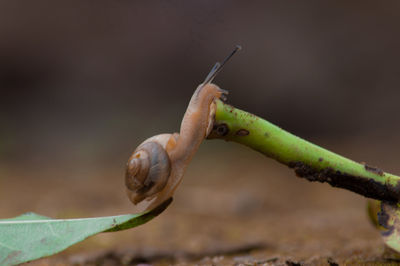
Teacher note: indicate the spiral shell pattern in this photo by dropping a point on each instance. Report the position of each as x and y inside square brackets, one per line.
[148, 170]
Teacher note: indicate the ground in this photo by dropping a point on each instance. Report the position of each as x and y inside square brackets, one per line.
[234, 207]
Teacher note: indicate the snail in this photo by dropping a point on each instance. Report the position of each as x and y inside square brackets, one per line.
[157, 166]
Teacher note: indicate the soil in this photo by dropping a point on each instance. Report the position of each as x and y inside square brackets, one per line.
[234, 207]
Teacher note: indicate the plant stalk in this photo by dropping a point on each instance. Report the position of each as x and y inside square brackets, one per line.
[308, 160]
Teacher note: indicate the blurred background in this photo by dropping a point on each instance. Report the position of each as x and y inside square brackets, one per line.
[82, 83]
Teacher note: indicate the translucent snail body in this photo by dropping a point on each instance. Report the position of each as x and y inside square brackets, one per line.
[157, 166]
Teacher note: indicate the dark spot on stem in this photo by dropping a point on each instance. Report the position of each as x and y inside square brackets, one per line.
[242, 132]
[373, 169]
[321, 159]
[361, 185]
[221, 129]
[229, 107]
[266, 134]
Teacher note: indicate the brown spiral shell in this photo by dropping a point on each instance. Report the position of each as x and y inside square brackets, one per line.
[147, 172]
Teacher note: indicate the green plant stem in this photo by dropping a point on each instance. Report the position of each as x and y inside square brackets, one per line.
[308, 160]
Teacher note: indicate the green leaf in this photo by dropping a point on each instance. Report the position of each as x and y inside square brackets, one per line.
[32, 236]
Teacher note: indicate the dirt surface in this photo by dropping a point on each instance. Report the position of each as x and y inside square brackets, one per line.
[235, 207]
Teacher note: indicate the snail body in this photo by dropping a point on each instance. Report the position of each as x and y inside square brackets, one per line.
[157, 166]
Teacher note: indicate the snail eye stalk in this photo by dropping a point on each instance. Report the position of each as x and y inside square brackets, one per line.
[218, 66]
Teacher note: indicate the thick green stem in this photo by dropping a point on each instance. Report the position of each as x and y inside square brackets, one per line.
[308, 160]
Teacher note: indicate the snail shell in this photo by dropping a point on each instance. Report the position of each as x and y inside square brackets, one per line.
[149, 168]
